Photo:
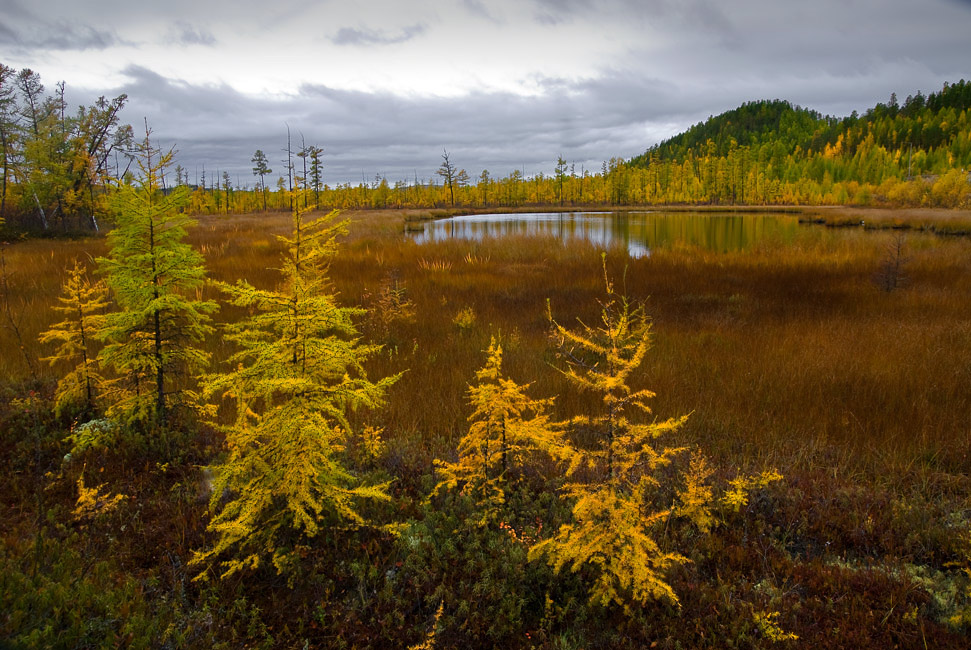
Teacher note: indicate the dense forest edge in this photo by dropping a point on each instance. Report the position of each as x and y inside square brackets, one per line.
[263, 418]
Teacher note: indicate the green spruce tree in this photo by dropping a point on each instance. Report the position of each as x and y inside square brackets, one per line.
[152, 339]
[297, 374]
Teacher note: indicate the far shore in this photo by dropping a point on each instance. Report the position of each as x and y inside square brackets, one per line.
[942, 221]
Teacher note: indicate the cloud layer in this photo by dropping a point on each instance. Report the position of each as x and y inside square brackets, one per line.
[501, 84]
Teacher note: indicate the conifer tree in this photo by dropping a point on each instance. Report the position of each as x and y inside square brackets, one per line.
[82, 304]
[611, 532]
[507, 428]
[297, 374]
[151, 272]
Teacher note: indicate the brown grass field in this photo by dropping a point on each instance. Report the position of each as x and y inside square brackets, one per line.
[785, 356]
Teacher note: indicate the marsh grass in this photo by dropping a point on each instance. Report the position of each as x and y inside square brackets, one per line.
[34, 272]
[949, 222]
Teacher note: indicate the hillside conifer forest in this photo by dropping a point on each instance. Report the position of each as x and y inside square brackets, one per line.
[262, 415]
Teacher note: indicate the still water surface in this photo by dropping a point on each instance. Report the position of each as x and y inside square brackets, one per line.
[639, 232]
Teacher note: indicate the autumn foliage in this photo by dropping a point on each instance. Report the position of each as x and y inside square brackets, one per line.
[297, 374]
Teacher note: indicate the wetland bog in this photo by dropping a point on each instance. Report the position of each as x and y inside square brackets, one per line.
[785, 353]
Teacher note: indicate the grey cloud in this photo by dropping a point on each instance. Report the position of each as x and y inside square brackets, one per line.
[194, 108]
[14, 10]
[8, 36]
[59, 35]
[568, 7]
[397, 137]
[713, 21]
[351, 36]
[28, 32]
[692, 63]
[687, 17]
[477, 8]
[621, 113]
[183, 33]
[555, 12]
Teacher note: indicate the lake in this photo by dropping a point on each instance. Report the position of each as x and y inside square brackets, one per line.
[638, 232]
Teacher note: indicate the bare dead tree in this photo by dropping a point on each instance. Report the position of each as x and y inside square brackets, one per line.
[891, 275]
[447, 172]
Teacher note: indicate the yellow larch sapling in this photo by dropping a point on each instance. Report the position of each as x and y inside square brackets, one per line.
[297, 373]
[83, 305]
[507, 427]
[612, 534]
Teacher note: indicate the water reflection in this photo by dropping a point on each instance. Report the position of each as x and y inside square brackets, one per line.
[639, 232]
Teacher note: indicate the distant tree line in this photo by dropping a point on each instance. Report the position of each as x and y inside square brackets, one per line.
[763, 153]
[55, 164]
[57, 167]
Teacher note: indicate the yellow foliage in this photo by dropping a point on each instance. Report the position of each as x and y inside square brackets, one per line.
[614, 519]
[834, 150]
[298, 372]
[82, 304]
[696, 498]
[766, 623]
[92, 502]
[465, 318]
[371, 443]
[610, 535]
[506, 429]
[429, 642]
[737, 496]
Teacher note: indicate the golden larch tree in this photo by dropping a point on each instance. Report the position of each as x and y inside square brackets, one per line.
[82, 304]
[612, 534]
[507, 427]
[297, 374]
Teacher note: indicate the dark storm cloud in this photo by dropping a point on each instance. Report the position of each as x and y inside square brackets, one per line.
[183, 33]
[351, 36]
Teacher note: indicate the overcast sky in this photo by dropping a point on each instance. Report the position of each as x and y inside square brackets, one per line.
[384, 85]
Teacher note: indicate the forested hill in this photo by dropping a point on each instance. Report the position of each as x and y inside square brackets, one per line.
[925, 122]
[911, 153]
[752, 124]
